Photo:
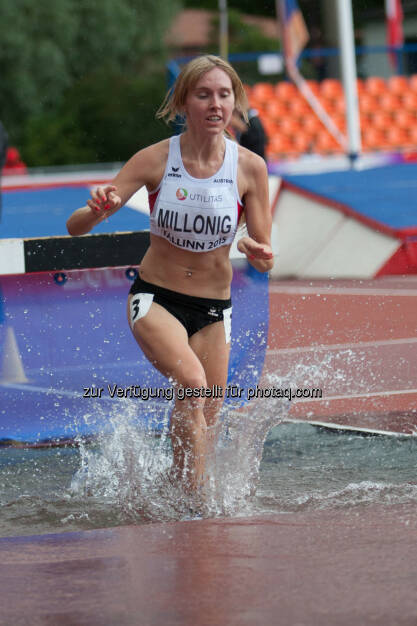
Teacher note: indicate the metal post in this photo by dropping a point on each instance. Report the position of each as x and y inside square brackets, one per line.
[348, 61]
[224, 30]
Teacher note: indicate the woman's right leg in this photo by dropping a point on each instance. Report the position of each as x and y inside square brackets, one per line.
[164, 341]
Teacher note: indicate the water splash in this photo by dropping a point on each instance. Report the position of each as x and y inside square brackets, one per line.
[129, 466]
[358, 494]
[308, 468]
[351, 497]
[122, 477]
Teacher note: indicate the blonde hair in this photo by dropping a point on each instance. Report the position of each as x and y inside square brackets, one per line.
[174, 100]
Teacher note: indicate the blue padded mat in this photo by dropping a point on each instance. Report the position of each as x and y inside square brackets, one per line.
[43, 213]
[75, 334]
[385, 194]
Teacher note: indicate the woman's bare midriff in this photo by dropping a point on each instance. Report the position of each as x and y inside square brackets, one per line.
[204, 275]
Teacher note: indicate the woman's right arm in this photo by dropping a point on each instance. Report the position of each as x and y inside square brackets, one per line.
[104, 202]
[146, 167]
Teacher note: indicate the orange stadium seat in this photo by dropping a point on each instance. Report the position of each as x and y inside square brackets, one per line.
[314, 86]
[279, 146]
[375, 85]
[331, 88]
[368, 103]
[293, 151]
[256, 103]
[303, 143]
[263, 91]
[412, 82]
[381, 120]
[326, 143]
[366, 124]
[285, 90]
[388, 111]
[373, 139]
[360, 85]
[398, 137]
[411, 142]
[328, 104]
[405, 119]
[413, 136]
[398, 85]
[275, 109]
[311, 124]
[390, 102]
[299, 107]
[340, 121]
[263, 115]
[290, 126]
[409, 101]
[340, 106]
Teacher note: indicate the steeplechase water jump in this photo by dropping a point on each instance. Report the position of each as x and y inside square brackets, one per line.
[208, 378]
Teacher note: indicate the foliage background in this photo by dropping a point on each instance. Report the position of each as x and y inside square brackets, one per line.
[81, 79]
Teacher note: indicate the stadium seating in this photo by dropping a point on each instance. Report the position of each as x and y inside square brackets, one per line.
[388, 112]
[413, 83]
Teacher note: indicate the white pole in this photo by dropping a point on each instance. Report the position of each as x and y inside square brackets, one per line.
[348, 61]
[224, 30]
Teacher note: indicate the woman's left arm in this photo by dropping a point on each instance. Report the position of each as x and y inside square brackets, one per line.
[256, 246]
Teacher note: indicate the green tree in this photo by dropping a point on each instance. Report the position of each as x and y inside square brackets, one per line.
[94, 124]
[46, 47]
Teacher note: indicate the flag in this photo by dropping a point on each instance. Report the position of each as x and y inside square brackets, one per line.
[394, 16]
[294, 31]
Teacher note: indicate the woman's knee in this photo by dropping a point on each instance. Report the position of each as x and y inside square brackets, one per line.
[190, 396]
[191, 378]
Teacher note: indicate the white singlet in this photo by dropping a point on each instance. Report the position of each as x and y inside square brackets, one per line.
[196, 214]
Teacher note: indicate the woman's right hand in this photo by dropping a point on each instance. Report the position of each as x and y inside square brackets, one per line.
[104, 201]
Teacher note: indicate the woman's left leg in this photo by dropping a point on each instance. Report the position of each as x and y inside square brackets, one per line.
[209, 345]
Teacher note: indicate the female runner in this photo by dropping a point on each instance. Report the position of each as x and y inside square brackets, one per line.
[179, 307]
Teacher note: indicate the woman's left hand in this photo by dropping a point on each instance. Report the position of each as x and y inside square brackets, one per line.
[259, 255]
[254, 250]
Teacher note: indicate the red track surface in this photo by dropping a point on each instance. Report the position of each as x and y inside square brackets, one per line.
[318, 568]
[357, 341]
[309, 568]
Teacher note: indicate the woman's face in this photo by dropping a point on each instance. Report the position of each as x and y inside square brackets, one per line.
[209, 104]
